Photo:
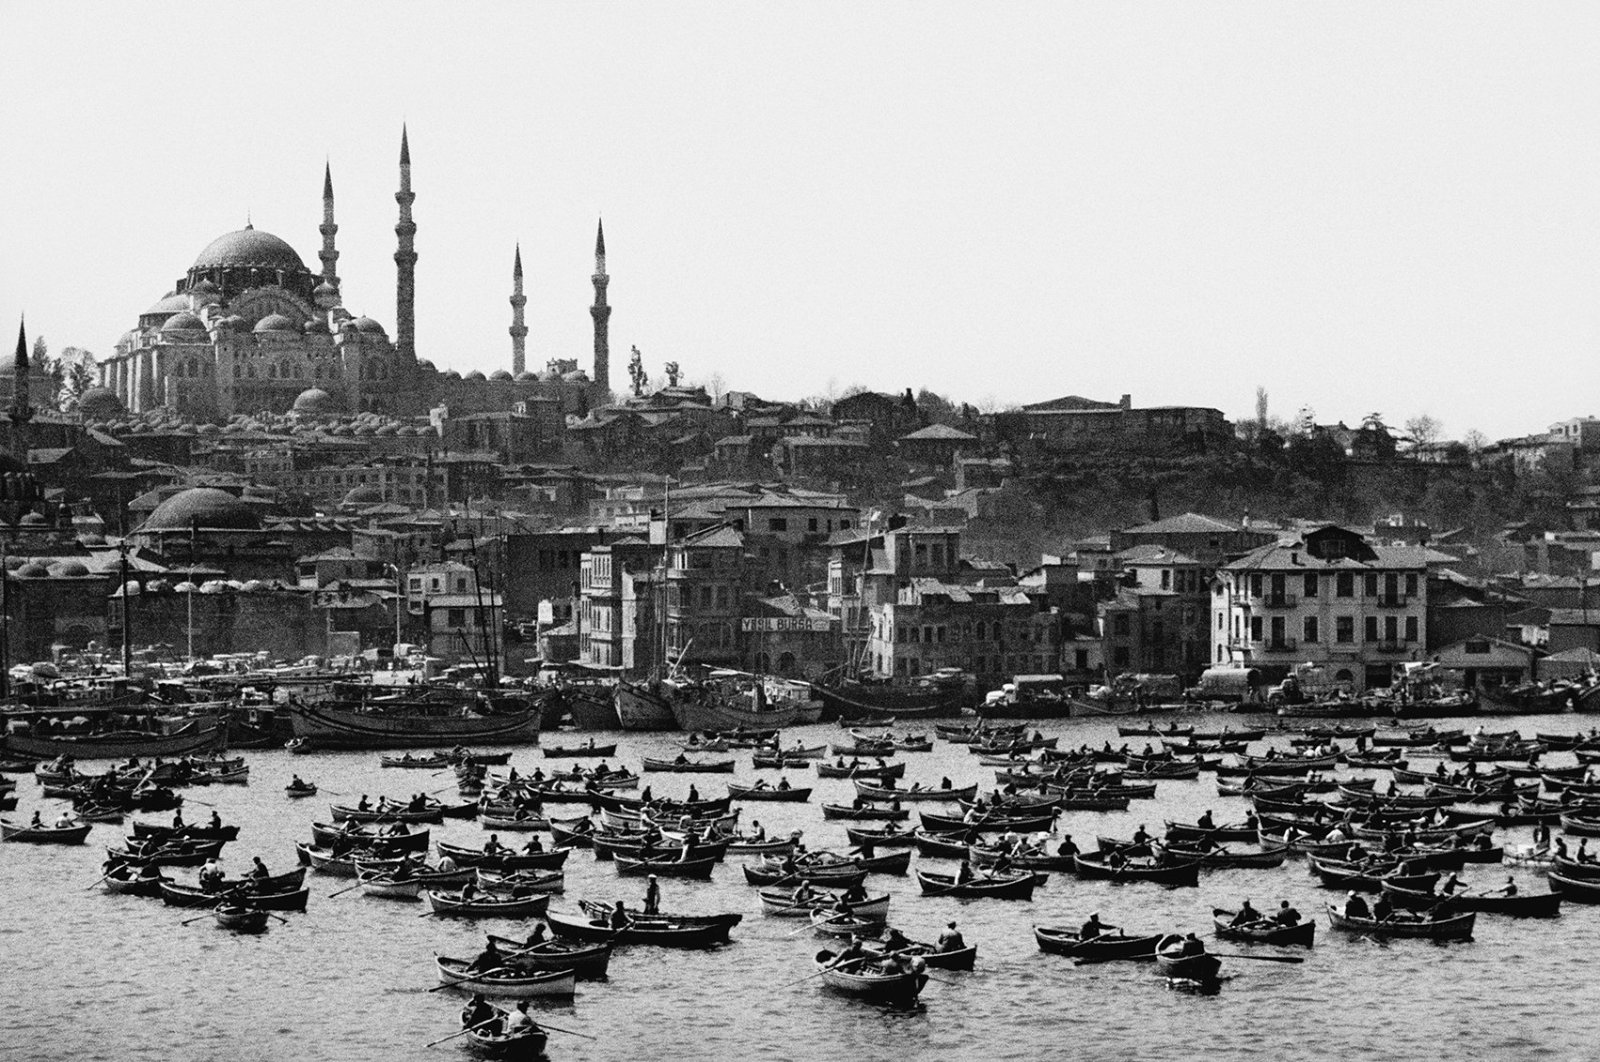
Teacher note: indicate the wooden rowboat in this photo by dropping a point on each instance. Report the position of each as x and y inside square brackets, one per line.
[1093, 865]
[688, 766]
[488, 1041]
[1522, 905]
[872, 792]
[1575, 890]
[780, 903]
[485, 906]
[699, 869]
[866, 980]
[11, 831]
[746, 792]
[1451, 927]
[1107, 947]
[241, 919]
[588, 961]
[505, 983]
[1264, 931]
[672, 931]
[1009, 887]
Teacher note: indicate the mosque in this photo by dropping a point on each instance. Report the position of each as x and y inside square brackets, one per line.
[249, 328]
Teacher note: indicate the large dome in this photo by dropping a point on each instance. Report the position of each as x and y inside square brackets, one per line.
[204, 507]
[314, 400]
[98, 403]
[249, 247]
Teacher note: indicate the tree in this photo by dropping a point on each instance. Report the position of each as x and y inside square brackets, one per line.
[1424, 429]
[1475, 441]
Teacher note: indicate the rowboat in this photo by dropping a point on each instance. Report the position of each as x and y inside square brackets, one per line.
[780, 903]
[865, 814]
[386, 886]
[1171, 962]
[1008, 887]
[764, 792]
[295, 792]
[505, 983]
[689, 766]
[931, 956]
[268, 898]
[1183, 831]
[433, 813]
[148, 831]
[412, 840]
[989, 823]
[699, 869]
[631, 846]
[588, 961]
[11, 831]
[486, 1039]
[486, 906]
[872, 792]
[1021, 858]
[522, 882]
[240, 919]
[423, 763]
[1450, 927]
[1522, 905]
[343, 866]
[891, 838]
[668, 930]
[831, 923]
[428, 879]
[507, 860]
[839, 875]
[1263, 931]
[576, 752]
[1575, 890]
[776, 846]
[1093, 865]
[324, 727]
[1107, 947]
[1223, 857]
[867, 980]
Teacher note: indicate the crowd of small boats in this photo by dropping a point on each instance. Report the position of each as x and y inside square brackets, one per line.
[1405, 848]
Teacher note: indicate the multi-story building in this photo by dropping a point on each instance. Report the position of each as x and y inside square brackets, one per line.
[866, 567]
[1328, 597]
[456, 618]
[705, 585]
[600, 618]
[993, 632]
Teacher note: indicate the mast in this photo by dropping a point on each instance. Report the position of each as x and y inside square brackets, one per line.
[5, 626]
[194, 529]
[666, 560]
[127, 622]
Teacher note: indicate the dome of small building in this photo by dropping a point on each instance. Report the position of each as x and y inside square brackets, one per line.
[549, 376]
[91, 538]
[525, 377]
[389, 429]
[369, 326]
[451, 374]
[425, 365]
[204, 287]
[314, 400]
[205, 507]
[172, 302]
[500, 374]
[232, 323]
[475, 376]
[33, 520]
[183, 322]
[317, 326]
[576, 376]
[100, 403]
[249, 247]
[69, 569]
[32, 570]
[276, 322]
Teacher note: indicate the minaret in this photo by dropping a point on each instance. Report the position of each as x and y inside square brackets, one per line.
[328, 254]
[602, 316]
[405, 259]
[519, 331]
[21, 403]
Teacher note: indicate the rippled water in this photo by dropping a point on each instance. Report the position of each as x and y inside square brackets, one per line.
[95, 976]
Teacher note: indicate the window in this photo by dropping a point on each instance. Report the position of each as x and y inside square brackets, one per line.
[1345, 584]
[1119, 656]
[1371, 588]
[1255, 586]
[1391, 629]
[980, 630]
[1119, 624]
[1166, 579]
[705, 597]
[811, 524]
[1344, 629]
[1411, 628]
[456, 617]
[916, 634]
[1372, 628]
[1310, 588]
[1411, 585]
[1308, 629]
[1255, 628]
[1081, 659]
[778, 523]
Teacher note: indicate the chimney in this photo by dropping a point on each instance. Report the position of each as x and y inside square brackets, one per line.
[1127, 402]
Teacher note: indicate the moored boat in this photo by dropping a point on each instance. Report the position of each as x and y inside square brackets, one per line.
[506, 982]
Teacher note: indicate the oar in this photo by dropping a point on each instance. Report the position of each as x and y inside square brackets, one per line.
[813, 925]
[482, 1024]
[470, 976]
[97, 881]
[350, 888]
[1294, 960]
[196, 918]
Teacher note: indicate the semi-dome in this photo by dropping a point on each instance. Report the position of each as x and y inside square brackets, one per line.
[500, 374]
[325, 288]
[276, 322]
[475, 376]
[247, 248]
[204, 507]
[204, 287]
[69, 569]
[525, 377]
[183, 322]
[314, 400]
[32, 570]
[576, 376]
[425, 365]
[317, 326]
[172, 302]
[368, 325]
[363, 496]
[100, 403]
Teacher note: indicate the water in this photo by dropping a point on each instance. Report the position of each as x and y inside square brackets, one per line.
[90, 975]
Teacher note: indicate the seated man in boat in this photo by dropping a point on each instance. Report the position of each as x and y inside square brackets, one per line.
[36, 823]
[1382, 909]
[1068, 846]
[418, 803]
[681, 759]
[493, 846]
[1206, 822]
[1355, 906]
[761, 783]
[488, 959]
[518, 1021]
[363, 804]
[951, 939]
[619, 917]
[856, 893]
[758, 832]
[1247, 915]
[534, 846]
[177, 820]
[783, 784]
[1286, 915]
[405, 870]
[469, 892]
[964, 873]
[1141, 835]
[211, 875]
[1092, 927]
[478, 1013]
[259, 869]
[694, 794]
[1115, 859]
[1509, 888]
[1451, 884]
[297, 784]
[894, 940]
[853, 953]
[536, 938]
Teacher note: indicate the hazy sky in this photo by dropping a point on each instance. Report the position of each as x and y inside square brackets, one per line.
[1378, 207]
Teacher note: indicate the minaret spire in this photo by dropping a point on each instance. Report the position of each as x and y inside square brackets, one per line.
[601, 312]
[405, 258]
[329, 254]
[519, 331]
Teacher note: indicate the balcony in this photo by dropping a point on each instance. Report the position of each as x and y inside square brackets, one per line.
[1271, 600]
[1279, 645]
[1393, 647]
[1391, 600]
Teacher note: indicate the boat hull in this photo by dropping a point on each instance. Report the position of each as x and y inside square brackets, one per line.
[333, 728]
[639, 708]
[201, 735]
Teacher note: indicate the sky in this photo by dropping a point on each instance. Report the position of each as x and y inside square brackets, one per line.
[1360, 208]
